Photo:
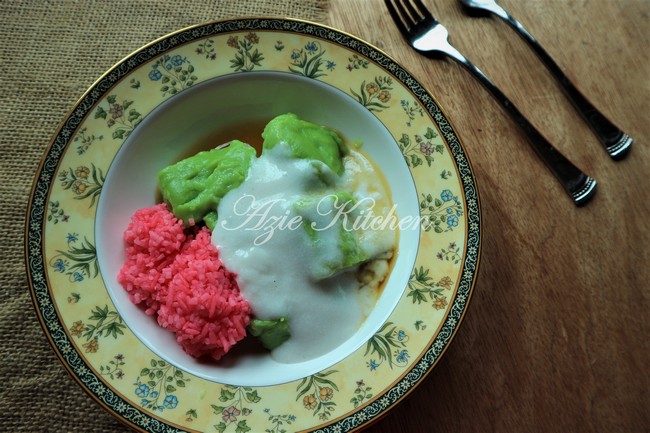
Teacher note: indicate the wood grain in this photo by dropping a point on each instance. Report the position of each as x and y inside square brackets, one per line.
[556, 337]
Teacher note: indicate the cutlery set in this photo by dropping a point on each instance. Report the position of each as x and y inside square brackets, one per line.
[429, 37]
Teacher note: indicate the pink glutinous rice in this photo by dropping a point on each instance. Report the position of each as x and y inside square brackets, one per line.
[178, 276]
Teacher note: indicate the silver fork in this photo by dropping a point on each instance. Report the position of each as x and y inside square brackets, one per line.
[428, 37]
[616, 142]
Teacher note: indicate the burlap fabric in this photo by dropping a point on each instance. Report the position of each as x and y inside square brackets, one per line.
[51, 52]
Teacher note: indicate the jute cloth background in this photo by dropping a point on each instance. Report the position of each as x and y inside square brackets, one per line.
[51, 52]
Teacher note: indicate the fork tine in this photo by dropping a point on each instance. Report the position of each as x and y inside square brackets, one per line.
[411, 10]
[408, 19]
[423, 9]
[402, 24]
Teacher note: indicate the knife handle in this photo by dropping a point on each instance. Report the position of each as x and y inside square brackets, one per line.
[616, 142]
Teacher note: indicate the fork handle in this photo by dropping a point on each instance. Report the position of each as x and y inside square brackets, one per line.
[616, 142]
[580, 187]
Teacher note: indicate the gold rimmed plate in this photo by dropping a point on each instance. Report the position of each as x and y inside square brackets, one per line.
[226, 75]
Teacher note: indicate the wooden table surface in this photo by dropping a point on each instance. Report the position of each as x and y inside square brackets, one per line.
[556, 336]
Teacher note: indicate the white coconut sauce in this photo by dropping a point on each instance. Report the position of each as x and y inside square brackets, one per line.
[260, 238]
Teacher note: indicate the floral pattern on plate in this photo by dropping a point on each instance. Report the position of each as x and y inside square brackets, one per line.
[149, 393]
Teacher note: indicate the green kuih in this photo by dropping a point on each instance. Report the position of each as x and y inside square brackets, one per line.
[193, 187]
[272, 333]
[306, 140]
[311, 210]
